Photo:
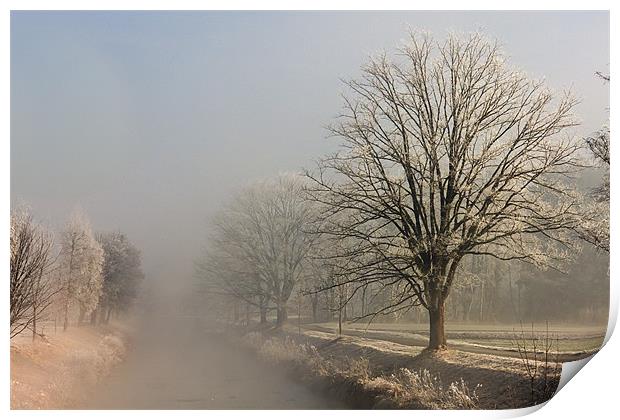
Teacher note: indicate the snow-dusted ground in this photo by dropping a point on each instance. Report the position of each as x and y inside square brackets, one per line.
[503, 381]
[573, 342]
[58, 370]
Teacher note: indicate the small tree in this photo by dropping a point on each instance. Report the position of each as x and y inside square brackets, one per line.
[448, 151]
[232, 265]
[81, 263]
[121, 274]
[31, 260]
[259, 244]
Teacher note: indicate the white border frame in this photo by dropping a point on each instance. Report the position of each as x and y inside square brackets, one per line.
[591, 395]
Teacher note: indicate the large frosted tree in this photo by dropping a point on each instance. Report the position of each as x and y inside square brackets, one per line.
[594, 228]
[81, 259]
[447, 151]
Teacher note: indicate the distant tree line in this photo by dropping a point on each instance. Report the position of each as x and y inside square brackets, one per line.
[452, 196]
[71, 274]
[259, 245]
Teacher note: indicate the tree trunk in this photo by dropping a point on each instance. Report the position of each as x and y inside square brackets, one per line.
[235, 312]
[364, 301]
[331, 302]
[108, 314]
[93, 316]
[299, 315]
[341, 306]
[82, 315]
[481, 316]
[65, 324]
[101, 316]
[281, 316]
[470, 304]
[263, 316]
[69, 286]
[34, 321]
[437, 337]
[315, 307]
[519, 301]
[35, 306]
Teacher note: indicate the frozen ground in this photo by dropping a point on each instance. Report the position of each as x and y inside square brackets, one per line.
[569, 342]
[500, 382]
[56, 371]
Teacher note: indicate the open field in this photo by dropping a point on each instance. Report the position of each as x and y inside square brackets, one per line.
[568, 342]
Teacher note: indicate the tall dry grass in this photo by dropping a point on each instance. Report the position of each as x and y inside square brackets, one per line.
[401, 389]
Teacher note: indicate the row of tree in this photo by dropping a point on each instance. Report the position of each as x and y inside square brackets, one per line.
[75, 272]
[449, 158]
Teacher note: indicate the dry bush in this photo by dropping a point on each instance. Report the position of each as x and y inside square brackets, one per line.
[281, 350]
[423, 390]
[356, 368]
[540, 363]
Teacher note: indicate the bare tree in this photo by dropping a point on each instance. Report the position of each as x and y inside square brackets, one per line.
[231, 265]
[81, 262]
[31, 259]
[447, 151]
[339, 266]
[44, 296]
[595, 226]
[260, 242]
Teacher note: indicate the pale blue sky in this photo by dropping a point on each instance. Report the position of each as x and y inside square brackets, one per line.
[147, 119]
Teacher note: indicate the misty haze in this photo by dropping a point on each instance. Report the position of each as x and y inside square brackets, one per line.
[306, 210]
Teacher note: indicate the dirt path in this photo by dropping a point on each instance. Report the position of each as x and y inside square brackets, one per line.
[413, 340]
[174, 364]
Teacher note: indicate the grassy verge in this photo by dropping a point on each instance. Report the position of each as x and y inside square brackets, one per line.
[58, 371]
[353, 381]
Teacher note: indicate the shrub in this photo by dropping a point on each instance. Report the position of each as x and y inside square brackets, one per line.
[422, 389]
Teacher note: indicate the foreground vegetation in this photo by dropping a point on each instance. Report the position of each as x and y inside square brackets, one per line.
[59, 370]
[352, 380]
[371, 373]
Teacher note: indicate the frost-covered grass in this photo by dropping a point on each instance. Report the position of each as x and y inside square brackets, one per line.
[571, 339]
[59, 370]
[355, 378]
[423, 390]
